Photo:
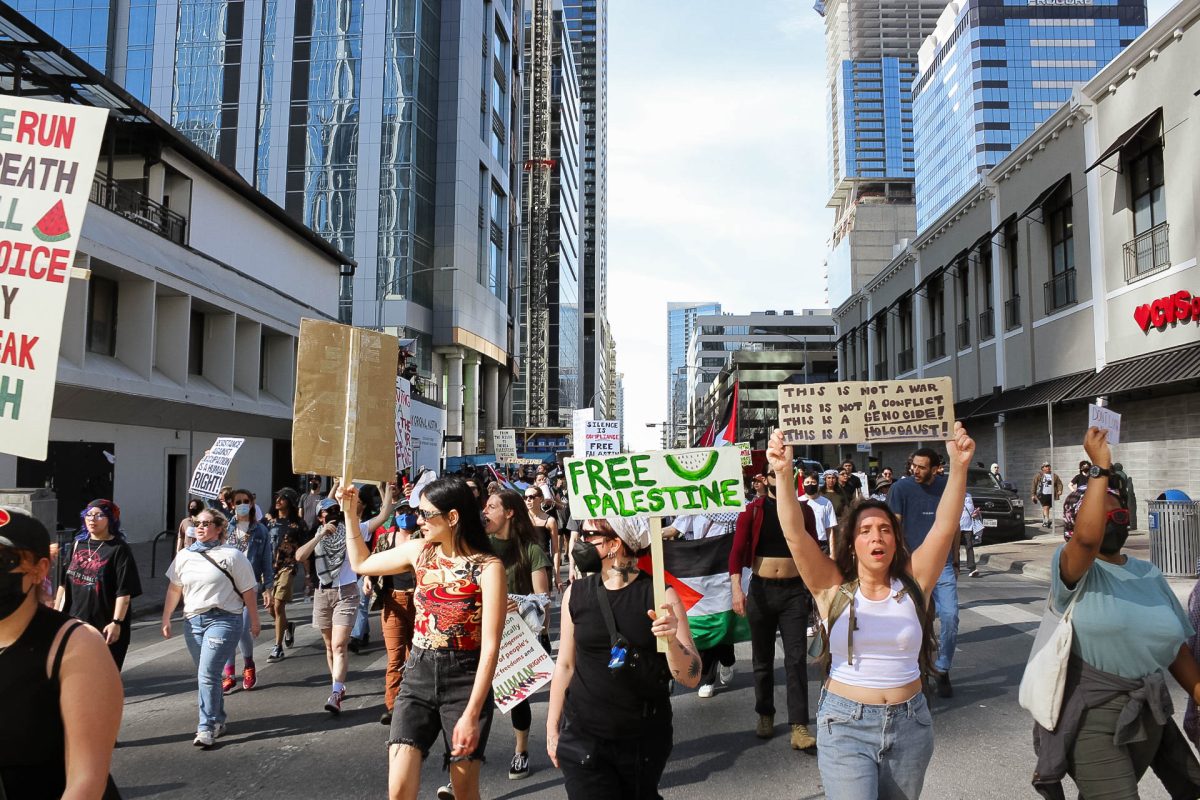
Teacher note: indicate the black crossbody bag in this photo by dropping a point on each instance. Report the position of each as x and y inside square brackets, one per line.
[644, 672]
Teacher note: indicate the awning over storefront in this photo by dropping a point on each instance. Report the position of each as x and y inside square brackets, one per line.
[1154, 118]
[1035, 396]
[1045, 195]
[965, 409]
[1144, 372]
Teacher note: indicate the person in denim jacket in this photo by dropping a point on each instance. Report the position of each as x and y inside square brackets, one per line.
[249, 536]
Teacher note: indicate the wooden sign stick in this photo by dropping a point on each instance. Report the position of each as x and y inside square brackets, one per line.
[350, 421]
[660, 580]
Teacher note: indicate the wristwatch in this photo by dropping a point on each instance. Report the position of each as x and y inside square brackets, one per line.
[1098, 471]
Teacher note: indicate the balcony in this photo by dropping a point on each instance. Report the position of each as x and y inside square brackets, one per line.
[881, 371]
[1147, 253]
[904, 361]
[1060, 291]
[964, 334]
[1012, 313]
[935, 346]
[139, 209]
[987, 325]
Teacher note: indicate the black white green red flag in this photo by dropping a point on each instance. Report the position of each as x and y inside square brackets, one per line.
[698, 570]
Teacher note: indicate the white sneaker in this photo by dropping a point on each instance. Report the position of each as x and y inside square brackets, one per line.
[725, 674]
[811, 631]
[706, 690]
[219, 731]
[203, 739]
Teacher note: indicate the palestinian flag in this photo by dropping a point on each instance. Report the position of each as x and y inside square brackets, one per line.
[723, 431]
[698, 570]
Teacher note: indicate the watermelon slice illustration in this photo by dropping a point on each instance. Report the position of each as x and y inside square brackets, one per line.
[694, 465]
[53, 227]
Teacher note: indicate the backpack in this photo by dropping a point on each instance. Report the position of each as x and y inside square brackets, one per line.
[843, 598]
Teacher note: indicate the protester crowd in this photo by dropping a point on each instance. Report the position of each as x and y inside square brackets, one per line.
[856, 576]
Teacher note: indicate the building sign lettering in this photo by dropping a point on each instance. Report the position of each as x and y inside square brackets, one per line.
[1179, 307]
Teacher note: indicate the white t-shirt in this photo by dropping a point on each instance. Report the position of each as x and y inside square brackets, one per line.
[204, 586]
[822, 509]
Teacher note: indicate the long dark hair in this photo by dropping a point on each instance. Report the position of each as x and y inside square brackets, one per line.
[523, 535]
[847, 562]
[451, 493]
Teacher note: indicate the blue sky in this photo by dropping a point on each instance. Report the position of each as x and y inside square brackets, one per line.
[717, 176]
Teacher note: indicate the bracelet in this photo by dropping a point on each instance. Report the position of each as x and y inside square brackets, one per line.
[118, 621]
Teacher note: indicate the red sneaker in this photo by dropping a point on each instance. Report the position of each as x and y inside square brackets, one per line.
[249, 678]
[227, 683]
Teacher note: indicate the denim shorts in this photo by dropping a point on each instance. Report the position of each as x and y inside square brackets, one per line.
[436, 689]
[867, 752]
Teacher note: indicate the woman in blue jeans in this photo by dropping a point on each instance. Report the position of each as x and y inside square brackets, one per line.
[252, 538]
[215, 583]
[874, 729]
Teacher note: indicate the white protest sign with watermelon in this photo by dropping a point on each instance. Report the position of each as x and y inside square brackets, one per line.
[49, 153]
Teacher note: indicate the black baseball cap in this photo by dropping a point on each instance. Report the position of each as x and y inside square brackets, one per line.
[20, 531]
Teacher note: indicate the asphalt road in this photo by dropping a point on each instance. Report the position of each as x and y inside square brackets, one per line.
[282, 744]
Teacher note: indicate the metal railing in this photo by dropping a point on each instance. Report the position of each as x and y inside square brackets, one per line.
[987, 325]
[935, 346]
[964, 334]
[1012, 313]
[881, 371]
[1060, 291]
[139, 209]
[1147, 253]
[904, 360]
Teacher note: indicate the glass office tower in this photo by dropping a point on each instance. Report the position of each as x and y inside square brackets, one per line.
[991, 72]
[681, 324]
[587, 22]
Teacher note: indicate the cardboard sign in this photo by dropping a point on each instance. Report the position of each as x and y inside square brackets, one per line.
[601, 437]
[867, 411]
[659, 484]
[506, 444]
[578, 417]
[404, 449]
[1106, 420]
[746, 453]
[49, 154]
[344, 416]
[523, 666]
[210, 473]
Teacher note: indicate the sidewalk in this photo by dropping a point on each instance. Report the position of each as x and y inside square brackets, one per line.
[1031, 557]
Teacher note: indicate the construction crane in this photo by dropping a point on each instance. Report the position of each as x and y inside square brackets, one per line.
[540, 166]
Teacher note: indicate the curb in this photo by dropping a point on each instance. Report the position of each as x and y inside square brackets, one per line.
[1015, 565]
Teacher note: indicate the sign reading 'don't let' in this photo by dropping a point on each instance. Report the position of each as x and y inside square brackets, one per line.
[852, 412]
[658, 484]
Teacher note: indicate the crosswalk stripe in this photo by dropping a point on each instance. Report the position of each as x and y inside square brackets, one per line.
[1007, 614]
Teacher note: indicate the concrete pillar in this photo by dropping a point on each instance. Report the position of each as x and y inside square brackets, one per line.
[471, 403]
[491, 404]
[454, 400]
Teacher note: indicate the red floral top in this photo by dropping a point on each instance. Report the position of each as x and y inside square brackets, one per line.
[449, 601]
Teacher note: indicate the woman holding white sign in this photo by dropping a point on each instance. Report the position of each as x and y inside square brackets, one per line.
[527, 569]
[460, 606]
[608, 726]
[874, 729]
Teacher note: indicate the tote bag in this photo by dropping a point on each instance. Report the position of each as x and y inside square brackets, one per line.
[1042, 684]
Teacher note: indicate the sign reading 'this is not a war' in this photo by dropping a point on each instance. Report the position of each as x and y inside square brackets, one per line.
[853, 412]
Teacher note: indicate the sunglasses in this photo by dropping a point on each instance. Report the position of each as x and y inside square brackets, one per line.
[204, 523]
[1119, 516]
[428, 515]
[532, 496]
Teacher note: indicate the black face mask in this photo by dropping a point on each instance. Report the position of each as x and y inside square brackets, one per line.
[1114, 538]
[11, 594]
[586, 556]
[810, 488]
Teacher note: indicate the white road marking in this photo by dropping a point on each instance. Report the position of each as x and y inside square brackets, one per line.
[1006, 614]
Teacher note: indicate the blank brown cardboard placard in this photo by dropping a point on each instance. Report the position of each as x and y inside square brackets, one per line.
[335, 392]
[850, 412]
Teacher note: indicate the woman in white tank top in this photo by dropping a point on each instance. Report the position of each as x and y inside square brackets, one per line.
[874, 729]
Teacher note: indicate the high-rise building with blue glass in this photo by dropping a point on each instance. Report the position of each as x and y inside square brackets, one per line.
[384, 125]
[681, 324]
[587, 22]
[871, 60]
[564, 348]
[992, 71]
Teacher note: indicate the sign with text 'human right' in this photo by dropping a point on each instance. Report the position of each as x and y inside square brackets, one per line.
[47, 161]
[852, 412]
[658, 484]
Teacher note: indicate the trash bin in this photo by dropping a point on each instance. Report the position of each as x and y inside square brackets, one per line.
[1175, 537]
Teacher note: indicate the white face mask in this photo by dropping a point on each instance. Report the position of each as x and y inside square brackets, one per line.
[242, 510]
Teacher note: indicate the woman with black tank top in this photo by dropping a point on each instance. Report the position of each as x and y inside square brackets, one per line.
[60, 692]
[608, 726]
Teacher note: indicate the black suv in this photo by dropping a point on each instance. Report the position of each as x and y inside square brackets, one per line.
[1002, 511]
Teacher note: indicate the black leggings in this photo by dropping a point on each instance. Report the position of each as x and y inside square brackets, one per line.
[522, 716]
